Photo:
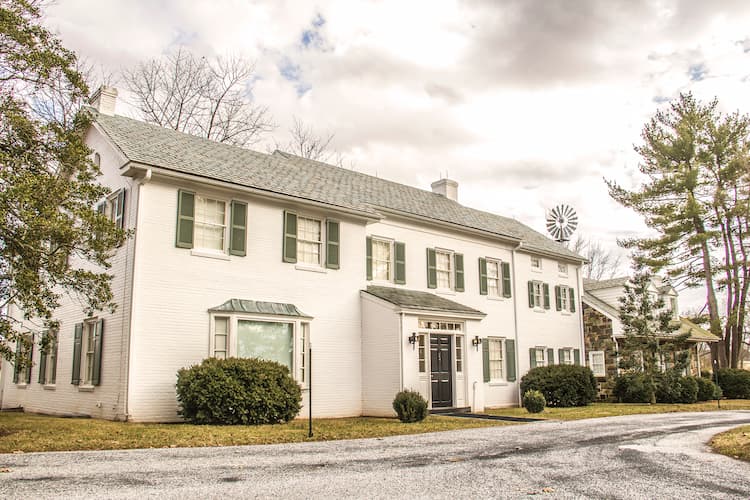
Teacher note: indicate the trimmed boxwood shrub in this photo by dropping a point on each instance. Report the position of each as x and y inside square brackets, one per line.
[735, 383]
[410, 406]
[707, 390]
[672, 387]
[534, 401]
[634, 388]
[561, 385]
[234, 391]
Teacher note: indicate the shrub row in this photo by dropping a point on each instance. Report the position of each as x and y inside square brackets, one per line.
[561, 385]
[735, 383]
[667, 387]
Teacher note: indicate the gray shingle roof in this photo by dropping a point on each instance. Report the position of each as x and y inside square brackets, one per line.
[424, 301]
[291, 175]
[589, 284]
[255, 307]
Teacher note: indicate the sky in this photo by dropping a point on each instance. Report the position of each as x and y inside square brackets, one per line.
[527, 104]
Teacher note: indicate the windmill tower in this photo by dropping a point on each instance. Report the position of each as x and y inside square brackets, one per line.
[562, 221]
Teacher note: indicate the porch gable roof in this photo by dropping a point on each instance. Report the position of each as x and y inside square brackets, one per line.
[422, 301]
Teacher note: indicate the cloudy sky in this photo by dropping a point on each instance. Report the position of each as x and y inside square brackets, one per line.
[527, 104]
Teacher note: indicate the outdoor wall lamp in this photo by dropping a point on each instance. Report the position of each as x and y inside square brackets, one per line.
[413, 340]
[476, 341]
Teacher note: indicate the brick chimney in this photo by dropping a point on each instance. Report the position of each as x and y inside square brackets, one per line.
[104, 100]
[447, 188]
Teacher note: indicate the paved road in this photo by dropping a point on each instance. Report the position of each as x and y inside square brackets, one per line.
[648, 456]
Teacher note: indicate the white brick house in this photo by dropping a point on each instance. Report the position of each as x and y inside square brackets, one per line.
[239, 253]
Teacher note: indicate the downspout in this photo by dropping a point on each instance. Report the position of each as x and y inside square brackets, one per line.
[126, 412]
[515, 321]
[579, 284]
[401, 351]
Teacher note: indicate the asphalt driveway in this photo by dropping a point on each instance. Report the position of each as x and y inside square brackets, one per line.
[647, 456]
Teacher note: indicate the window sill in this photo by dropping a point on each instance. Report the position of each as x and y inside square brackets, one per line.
[496, 297]
[536, 270]
[209, 254]
[310, 268]
[85, 388]
[49, 387]
[445, 291]
[22, 385]
[498, 383]
[540, 310]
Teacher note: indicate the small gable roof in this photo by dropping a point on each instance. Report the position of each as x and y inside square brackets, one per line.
[290, 175]
[591, 285]
[423, 301]
[256, 307]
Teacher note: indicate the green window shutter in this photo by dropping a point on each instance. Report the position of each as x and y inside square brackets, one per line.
[98, 337]
[532, 357]
[545, 286]
[486, 359]
[333, 239]
[505, 266]
[572, 300]
[120, 212]
[458, 261]
[17, 361]
[482, 276]
[43, 363]
[400, 267]
[550, 356]
[531, 294]
[29, 362]
[577, 356]
[431, 269]
[238, 233]
[368, 243]
[510, 359]
[290, 237]
[185, 219]
[77, 341]
[558, 304]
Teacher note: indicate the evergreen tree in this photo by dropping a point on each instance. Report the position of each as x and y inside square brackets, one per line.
[697, 198]
[52, 241]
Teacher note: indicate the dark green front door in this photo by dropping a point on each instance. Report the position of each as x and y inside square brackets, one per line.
[441, 365]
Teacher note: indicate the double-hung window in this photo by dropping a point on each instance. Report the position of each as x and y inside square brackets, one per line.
[596, 363]
[23, 360]
[381, 260]
[496, 359]
[493, 278]
[211, 224]
[445, 270]
[48, 359]
[87, 352]
[565, 356]
[309, 240]
[536, 263]
[565, 298]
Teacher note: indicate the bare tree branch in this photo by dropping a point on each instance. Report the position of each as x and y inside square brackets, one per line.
[603, 264]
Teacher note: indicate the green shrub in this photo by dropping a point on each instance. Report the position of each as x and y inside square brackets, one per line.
[561, 385]
[634, 388]
[707, 390]
[534, 401]
[233, 391]
[410, 406]
[735, 383]
[672, 387]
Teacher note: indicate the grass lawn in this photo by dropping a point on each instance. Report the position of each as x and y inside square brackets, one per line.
[615, 409]
[734, 443]
[21, 432]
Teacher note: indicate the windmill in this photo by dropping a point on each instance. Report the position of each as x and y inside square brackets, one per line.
[561, 222]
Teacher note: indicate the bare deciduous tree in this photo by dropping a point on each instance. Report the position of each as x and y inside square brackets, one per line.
[208, 98]
[603, 264]
[306, 143]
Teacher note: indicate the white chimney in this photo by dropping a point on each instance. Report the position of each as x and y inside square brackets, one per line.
[104, 100]
[447, 188]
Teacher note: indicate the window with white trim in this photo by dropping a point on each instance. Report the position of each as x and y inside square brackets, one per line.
[422, 353]
[566, 356]
[459, 354]
[596, 363]
[309, 240]
[562, 268]
[210, 224]
[540, 354]
[564, 294]
[536, 263]
[382, 259]
[493, 278]
[443, 269]
[279, 340]
[496, 359]
[49, 362]
[538, 293]
[88, 350]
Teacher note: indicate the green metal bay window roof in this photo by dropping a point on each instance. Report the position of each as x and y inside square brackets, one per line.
[257, 307]
[422, 301]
